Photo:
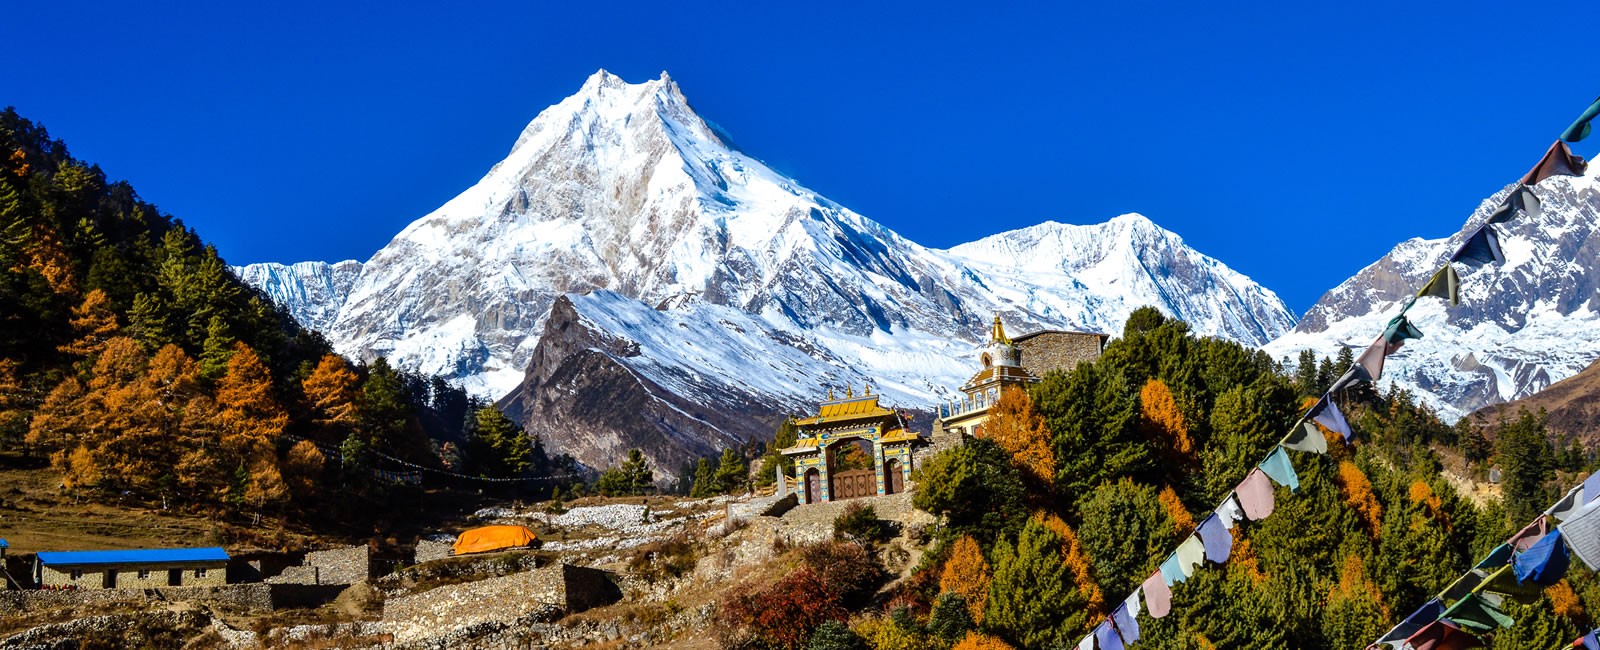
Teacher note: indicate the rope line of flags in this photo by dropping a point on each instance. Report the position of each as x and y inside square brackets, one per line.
[1535, 557]
[413, 476]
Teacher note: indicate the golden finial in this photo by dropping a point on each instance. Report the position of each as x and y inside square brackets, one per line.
[849, 391]
[998, 335]
[869, 390]
[830, 393]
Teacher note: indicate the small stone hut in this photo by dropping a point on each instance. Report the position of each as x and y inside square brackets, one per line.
[137, 569]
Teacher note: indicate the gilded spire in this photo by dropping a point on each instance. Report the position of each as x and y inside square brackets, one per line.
[998, 335]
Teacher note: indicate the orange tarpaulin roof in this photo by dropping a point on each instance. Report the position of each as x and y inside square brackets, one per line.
[493, 538]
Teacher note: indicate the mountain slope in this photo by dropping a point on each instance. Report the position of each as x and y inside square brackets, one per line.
[622, 192]
[313, 292]
[1521, 325]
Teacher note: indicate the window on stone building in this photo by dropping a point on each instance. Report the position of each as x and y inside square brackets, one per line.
[199, 573]
[144, 574]
[77, 574]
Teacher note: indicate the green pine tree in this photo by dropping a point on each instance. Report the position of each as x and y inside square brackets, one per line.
[1032, 599]
[218, 348]
[732, 472]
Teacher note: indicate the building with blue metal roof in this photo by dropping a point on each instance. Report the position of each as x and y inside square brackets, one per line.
[137, 568]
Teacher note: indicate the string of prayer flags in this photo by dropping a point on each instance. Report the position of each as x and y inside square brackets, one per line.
[1352, 376]
[1580, 128]
[1582, 532]
[1126, 619]
[1157, 595]
[1559, 160]
[1483, 247]
[1590, 641]
[1521, 198]
[1255, 495]
[1171, 572]
[1398, 634]
[1278, 469]
[1444, 284]
[1327, 413]
[1545, 562]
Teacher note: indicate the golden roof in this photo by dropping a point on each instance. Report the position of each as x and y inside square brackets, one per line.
[861, 408]
[1003, 374]
[899, 435]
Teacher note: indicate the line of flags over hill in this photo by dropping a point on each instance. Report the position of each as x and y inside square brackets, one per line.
[1535, 557]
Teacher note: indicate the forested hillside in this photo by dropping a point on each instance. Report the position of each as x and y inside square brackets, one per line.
[1085, 484]
[136, 363]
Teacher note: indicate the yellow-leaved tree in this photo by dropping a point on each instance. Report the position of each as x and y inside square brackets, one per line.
[250, 419]
[1015, 424]
[1077, 562]
[967, 574]
[331, 392]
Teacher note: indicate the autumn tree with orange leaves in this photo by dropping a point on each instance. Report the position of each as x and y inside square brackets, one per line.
[1017, 427]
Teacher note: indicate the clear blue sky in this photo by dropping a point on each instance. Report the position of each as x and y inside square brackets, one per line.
[1296, 142]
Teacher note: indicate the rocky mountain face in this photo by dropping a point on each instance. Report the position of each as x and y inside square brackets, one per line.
[1520, 327]
[312, 291]
[626, 277]
[1572, 410]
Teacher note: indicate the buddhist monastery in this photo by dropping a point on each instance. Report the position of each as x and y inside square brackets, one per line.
[852, 420]
[1002, 366]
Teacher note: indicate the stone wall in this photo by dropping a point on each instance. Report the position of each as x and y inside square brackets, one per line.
[428, 550]
[295, 575]
[254, 597]
[135, 577]
[563, 587]
[341, 566]
[1050, 350]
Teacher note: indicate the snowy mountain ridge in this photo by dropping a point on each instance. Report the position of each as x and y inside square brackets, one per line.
[1521, 325]
[662, 242]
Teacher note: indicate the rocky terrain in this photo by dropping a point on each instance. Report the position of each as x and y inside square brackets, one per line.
[662, 562]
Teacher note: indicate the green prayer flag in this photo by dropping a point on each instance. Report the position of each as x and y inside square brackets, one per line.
[1580, 128]
[1444, 284]
[1478, 613]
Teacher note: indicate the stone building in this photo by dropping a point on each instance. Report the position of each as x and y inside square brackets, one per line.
[859, 421]
[137, 569]
[1010, 363]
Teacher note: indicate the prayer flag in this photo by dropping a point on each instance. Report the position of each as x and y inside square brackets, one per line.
[1444, 284]
[1558, 160]
[1255, 495]
[1481, 248]
[1569, 504]
[1545, 562]
[1087, 643]
[1427, 613]
[1582, 532]
[1217, 540]
[1127, 620]
[1521, 198]
[1171, 572]
[1530, 533]
[1371, 359]
[1327, 413]
[1106, 636]
[1477, 612]
[1229, 512]
[1157, 595]
[1306, 438]
[1442, 635]
[1190, 554]
[1354, 375]
[1580, 128]
[1279, 470]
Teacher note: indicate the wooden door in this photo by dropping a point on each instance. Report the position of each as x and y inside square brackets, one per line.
[813, 486]
[894, 481]
[854, 483]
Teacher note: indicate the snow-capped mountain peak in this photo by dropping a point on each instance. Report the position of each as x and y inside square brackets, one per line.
[623, 193]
